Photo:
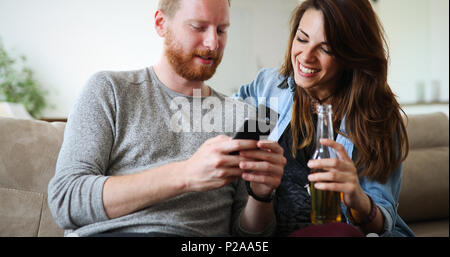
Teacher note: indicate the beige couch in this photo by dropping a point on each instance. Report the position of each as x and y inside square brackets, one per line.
[29, 149]
[424, 198]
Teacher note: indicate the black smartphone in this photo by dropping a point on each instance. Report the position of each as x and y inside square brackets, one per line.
[250, 130]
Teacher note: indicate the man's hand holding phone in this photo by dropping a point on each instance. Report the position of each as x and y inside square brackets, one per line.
[212, 166]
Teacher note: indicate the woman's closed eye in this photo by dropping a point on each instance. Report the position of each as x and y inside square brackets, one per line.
[299, 39]
[323, 48]
[326, 50]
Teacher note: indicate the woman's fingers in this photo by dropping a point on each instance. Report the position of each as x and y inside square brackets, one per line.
[344, 163]
[270, 145]
[333, 181]
[262, 166]
[261, 178]
[335, 187]
[328, 164]
[331, 176]
[262, 155]
[340, 149]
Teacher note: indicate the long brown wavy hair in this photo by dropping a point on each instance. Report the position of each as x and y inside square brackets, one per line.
[372, 114]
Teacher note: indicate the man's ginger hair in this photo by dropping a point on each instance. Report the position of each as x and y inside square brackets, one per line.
[170, 7]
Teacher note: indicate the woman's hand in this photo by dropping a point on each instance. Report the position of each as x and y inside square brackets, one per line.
[263, 167]
[340, 176]
[266, 168]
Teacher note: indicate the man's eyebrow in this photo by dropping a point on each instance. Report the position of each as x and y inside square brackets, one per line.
[206, 22]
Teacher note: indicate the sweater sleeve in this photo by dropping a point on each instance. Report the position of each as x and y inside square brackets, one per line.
[75, 191]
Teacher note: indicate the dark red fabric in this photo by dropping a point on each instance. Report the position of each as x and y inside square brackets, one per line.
[328, 230]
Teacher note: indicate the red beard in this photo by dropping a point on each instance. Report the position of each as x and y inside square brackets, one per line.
[185, 65]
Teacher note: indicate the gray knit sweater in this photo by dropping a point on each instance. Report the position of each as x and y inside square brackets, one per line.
[126, 122]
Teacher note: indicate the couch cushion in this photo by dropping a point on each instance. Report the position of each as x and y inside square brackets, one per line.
[425, 175]
[20, 212]
[424, 194]
[428, 130]
[29, 150]
[48, 226]
[434, 228]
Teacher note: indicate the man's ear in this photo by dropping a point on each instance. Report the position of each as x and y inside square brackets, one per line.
[160, 23]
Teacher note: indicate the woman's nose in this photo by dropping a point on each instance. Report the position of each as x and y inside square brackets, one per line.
[307, 55]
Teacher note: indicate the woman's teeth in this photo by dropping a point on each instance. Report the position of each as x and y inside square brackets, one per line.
[307, 70]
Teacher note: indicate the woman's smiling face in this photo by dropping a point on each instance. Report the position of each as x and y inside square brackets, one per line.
[315, 68]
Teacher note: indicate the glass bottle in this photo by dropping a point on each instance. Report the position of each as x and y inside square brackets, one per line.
[325, 205]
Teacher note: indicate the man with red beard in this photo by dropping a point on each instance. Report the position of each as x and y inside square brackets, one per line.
[123, 170]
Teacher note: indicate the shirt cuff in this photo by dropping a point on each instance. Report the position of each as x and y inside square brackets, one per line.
[388, 222]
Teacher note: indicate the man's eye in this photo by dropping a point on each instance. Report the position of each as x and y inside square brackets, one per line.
[198, 28]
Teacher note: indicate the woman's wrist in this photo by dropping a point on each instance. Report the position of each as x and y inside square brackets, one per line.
[365, 215]
[364, 206]
[266, 198]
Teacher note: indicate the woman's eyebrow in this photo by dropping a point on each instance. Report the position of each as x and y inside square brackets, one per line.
[323, 43]
[303, 32]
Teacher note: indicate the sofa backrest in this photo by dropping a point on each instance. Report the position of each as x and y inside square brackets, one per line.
[425, 174]
[28, 154]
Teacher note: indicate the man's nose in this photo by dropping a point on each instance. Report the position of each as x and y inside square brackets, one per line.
[211, 40]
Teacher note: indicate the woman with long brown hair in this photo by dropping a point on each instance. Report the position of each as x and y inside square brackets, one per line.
[337, 55]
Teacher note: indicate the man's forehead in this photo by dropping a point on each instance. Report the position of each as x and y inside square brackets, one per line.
[205, 11]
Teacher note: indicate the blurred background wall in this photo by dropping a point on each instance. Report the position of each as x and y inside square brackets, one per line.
[66, 41]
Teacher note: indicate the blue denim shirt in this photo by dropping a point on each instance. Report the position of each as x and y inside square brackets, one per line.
[265, 90]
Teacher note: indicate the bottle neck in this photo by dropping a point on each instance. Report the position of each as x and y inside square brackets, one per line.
[324, 129]
[324, 126]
